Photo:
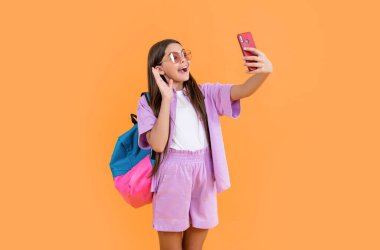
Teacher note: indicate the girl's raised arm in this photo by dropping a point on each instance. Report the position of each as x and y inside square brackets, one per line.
[264, 68]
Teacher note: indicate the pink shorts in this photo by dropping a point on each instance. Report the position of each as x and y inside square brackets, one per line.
[184, 191]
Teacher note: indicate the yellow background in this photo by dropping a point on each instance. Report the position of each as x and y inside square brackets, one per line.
[303, 156]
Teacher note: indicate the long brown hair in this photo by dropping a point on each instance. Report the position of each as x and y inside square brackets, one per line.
[156, 53]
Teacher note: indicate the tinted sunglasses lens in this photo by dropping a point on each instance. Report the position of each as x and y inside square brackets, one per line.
[187, 54]
[175, 57]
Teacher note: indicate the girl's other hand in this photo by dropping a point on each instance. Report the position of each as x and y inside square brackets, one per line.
[262, 62]
[165, 89]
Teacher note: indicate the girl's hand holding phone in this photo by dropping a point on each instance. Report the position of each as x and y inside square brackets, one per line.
[254, 59]
[165, 89]
[262, 62]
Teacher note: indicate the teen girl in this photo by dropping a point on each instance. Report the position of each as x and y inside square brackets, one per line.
[181, 124]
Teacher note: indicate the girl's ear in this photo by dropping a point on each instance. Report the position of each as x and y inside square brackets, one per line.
[160, 70]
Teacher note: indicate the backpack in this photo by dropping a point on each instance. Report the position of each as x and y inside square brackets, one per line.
[130, 166]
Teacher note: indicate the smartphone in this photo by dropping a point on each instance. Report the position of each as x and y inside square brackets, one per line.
[246, 40]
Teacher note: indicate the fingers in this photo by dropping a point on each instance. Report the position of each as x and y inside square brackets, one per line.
[253, 58]
[157, 76]
[252, 49]
[255, 50]
[155, 71]
[261, 62]
[159, 81]
[259, 70]
[254, 64]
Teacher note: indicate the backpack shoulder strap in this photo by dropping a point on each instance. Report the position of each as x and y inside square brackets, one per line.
[146, 96]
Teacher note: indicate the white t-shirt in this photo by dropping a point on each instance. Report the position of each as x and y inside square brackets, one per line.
[189, 132]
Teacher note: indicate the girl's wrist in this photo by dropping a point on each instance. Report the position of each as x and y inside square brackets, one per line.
[166, 101]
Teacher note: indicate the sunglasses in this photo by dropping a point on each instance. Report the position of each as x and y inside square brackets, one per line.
[175, 57]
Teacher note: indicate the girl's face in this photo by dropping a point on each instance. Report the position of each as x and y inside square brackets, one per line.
[172, 70]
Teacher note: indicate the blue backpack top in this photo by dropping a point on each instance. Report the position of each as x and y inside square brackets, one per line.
[127, 153]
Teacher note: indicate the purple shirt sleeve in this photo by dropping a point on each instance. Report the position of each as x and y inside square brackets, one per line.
[221, 96]
[145, 122]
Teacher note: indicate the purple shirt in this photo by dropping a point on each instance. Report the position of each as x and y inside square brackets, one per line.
[218, 102]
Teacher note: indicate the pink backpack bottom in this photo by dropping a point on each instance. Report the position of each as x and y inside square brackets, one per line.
[135, 185]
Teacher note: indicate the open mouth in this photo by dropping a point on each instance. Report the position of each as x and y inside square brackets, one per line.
[184, 70]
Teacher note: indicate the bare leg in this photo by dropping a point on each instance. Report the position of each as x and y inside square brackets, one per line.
[170, 240]
[193, 238]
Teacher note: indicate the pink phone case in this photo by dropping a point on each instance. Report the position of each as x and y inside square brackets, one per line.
[246, 40]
